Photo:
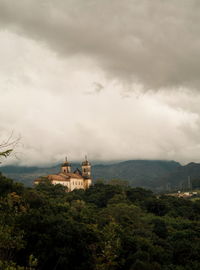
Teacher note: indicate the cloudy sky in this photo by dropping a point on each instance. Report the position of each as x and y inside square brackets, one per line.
[113, 79]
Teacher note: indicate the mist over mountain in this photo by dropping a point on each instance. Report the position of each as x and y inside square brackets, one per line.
[153, 174]
[157, 175]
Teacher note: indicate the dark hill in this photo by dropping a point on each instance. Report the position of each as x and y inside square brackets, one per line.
[146, 173]
[180, 176]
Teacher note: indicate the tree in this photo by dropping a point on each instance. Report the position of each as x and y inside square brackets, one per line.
[7, 146]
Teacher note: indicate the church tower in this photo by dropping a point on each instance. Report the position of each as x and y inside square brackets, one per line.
[66, 167]
[86, 169]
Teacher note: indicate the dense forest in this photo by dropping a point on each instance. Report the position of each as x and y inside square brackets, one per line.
[107, 227]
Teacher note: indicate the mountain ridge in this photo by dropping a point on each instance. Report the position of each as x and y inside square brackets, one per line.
[153, 174]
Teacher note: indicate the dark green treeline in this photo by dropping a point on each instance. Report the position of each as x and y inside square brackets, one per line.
[107, 227]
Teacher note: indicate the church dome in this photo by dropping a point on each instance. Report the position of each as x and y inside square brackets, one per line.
[86, 163]
[66, 164]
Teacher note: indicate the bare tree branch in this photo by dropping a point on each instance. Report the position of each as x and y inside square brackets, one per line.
[8, 146]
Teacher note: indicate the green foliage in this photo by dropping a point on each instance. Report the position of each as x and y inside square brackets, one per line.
[107, 227]
[160, 228]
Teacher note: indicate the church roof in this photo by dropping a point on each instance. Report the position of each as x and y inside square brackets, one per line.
[62, 177]
[57, 177]
[71, 175]
[77, 171]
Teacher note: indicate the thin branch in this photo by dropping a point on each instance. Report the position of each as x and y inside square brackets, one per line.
[9, 145]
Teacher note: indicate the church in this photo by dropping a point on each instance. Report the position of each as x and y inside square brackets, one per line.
[79, 179]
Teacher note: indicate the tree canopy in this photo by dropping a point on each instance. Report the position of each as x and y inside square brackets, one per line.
[107, 227]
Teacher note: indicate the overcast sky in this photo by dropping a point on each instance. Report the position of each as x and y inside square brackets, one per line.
[115, 79]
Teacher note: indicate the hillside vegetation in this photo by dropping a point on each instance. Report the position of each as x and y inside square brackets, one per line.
[154, 174]
[107, 227]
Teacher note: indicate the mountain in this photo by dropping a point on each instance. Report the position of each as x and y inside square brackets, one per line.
[152, 174]
[184, 176]
[145, 173]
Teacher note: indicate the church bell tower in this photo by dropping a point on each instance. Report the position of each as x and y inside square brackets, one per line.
[66, 167]
[86, 169]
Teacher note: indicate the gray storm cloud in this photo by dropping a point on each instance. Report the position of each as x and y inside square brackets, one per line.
[72, 72]
[154, 43]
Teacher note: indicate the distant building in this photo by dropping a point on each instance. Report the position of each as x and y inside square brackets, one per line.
[180, 194]
[79, 179]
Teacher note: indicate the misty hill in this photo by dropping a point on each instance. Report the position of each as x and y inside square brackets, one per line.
[146, 173]
[179, 177]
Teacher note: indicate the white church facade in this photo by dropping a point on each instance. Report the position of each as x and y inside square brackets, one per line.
[79, 179]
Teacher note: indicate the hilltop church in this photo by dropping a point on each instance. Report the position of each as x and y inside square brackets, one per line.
[79, 179]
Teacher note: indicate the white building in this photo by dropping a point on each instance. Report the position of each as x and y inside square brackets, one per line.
[79, 179]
